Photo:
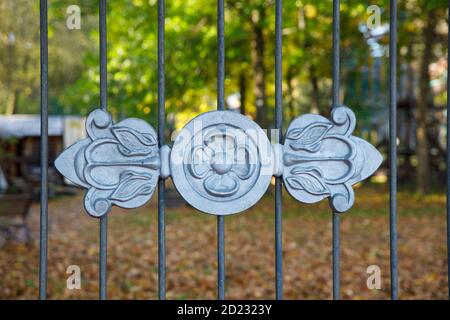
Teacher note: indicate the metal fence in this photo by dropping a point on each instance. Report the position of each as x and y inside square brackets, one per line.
[103, 222]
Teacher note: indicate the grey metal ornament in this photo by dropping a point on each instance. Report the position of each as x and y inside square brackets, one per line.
[119, 163]
[322, 159]
[221, 162]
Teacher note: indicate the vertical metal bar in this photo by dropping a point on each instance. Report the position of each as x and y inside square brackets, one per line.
[336, 53]
[103, 105]
[335, 103]
[161, 129]
[103, 56]
[43, 237]
[278, 240]
[220, 258]
[448, 155]
[220, 106]
[220, 56]
[393, 147]
[103, 256]
[336, 256]
[278, 126]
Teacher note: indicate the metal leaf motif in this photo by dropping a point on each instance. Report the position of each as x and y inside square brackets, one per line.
[118, 163]
[132, 184]
[309, 180]
[308, 138]
[133, 142]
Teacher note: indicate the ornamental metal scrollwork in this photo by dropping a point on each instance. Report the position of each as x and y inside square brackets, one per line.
[221, 162]
[118, 164]
[322, 159]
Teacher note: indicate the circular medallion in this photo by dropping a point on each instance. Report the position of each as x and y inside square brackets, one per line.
[221, 162]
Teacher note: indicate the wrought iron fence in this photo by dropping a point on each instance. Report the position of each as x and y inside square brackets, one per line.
[153, 161]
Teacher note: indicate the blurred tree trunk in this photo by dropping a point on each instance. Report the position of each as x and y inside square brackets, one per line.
[259, 70]
[11, 105]
[409, 113]
[425, 100]
[315, 99]
[243, 91]
[290, 91]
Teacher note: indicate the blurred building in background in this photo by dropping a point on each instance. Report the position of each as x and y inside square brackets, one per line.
[20, 145]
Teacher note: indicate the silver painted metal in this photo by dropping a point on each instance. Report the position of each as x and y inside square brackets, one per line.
[322, 159]
[221, 162]
[277, 159]
[164, 152]
[118, 163]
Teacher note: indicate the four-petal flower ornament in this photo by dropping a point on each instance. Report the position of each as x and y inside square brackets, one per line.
[221, 162]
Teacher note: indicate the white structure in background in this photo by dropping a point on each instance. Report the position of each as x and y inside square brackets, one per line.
[70, 128]
[63, 131]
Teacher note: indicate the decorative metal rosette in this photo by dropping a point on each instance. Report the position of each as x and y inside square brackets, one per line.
[118, 164]
[221, 162]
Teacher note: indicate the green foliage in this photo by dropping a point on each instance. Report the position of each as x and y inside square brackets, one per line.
[436, 4]
[191, 52]
[19, 54]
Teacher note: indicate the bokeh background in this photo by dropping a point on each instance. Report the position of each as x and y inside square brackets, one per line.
[191, 52]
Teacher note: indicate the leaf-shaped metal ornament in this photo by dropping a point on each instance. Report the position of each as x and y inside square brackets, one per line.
[307, 179]
[322, 159]
[132, 142]
[118, 163]
[132, 184]
[308, 138]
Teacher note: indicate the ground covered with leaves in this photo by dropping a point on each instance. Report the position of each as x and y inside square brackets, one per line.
[191, 251]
